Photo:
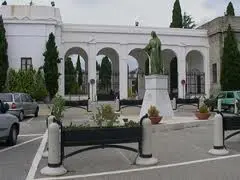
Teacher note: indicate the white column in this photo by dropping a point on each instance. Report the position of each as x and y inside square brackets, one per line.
[92, 74]
[123, 73]
[181, 62]
[206, 71]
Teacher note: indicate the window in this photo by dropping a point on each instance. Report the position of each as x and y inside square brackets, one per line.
[17, 97]
[214, 73]
[221, 95]
[230, 95]
[26, 63]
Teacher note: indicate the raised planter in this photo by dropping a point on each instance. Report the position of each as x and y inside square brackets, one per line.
[155, 120]
[100, 136]
[202, 116]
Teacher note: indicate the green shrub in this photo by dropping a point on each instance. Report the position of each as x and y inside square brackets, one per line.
[58, 107]
[105, 115]
[203, 109]
[27, 81]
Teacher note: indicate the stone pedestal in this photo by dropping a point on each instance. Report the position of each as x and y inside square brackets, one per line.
[156, 94]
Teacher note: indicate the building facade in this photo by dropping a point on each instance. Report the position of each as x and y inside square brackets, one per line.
[185, 52]
[217, 30]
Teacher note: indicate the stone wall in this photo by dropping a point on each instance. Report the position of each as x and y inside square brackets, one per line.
[216, 31]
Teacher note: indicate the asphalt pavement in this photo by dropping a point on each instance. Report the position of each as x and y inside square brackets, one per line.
[182, 154]
[15, 161]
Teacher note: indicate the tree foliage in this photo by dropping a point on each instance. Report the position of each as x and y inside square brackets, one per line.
[105, 72]
[4, 3]
[188, 22]
[70, 76]
[27, 81]
[230, 70]
[230, 9]
[3, 56]
[51, 61]
[79, 72]
[176, 16]
[98, 67]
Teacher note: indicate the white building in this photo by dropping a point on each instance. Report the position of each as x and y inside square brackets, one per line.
[28, 27]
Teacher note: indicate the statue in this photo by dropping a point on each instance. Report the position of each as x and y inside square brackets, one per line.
[153, 50]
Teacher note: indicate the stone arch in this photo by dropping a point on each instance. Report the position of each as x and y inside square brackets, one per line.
[169, 58]
[73, 52]
[107, 92]
[140, 57]
[195, 76]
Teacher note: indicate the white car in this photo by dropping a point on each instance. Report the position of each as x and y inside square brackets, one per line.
[9, 125]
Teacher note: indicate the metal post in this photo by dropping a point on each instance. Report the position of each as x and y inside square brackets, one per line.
[89, 105]
[201, 102]
[235, 107]
[174, 104]
[117, 105]
[219, 105]
[49, 120]
[218, 139]
[145, 147]
[54, 167]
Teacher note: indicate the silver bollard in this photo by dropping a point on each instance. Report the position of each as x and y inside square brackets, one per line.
[235, 107]
[219, 105]
[174, 103]
[117, 105]
[218, 139]
[201, 101]
[89, 105]
[145, 156]
[49, 121]
[55, 167]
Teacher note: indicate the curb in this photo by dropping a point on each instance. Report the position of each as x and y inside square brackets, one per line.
[180, 126]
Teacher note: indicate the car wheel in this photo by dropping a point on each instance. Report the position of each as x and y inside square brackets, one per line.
[36, 112]
[21, 116]
[12, 138]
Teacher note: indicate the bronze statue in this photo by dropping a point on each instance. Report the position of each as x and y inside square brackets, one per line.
[153, 50]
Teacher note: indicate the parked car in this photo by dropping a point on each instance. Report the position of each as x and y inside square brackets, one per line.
[20, 104]
[9, 125]
[228, 100]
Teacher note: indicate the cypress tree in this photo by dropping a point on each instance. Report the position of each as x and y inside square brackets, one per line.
[70, 75]
[79, 71]
[4, 3]
[230, 70]
[230, 9]
[50, 67]
[176, 16]
[105, 72]
[3, 56]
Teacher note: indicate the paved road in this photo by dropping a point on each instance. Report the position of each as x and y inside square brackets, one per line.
[16, 161]
[182, 155]
[170, 147]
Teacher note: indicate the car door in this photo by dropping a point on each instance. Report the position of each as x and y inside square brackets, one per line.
[229, 100]
[3, 125]
[26, 104]
[32, 104]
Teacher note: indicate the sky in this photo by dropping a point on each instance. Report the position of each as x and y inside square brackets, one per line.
[151, 13]
[157, 13]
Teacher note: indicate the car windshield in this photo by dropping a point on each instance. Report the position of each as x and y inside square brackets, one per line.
[238, 94]
[6, 97]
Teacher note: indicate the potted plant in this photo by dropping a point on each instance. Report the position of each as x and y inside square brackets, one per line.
[203, 113]
[153, 114]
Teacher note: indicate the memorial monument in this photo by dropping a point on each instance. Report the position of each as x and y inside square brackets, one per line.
[156, 83]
